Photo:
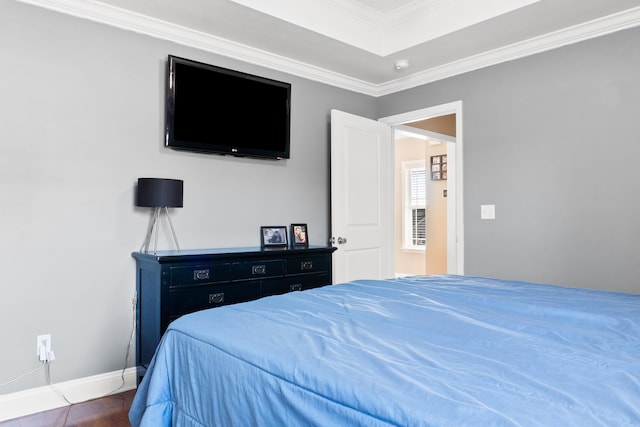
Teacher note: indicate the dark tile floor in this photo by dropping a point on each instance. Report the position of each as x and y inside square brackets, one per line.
[111, 411]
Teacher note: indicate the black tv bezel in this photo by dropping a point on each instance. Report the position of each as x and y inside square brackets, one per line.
[213, 148]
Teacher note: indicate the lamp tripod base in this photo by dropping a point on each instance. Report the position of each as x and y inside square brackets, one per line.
[154, 224]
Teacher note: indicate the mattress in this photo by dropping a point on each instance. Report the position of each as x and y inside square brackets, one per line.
[417, 351]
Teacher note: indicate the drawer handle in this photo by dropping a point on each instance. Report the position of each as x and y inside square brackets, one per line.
[306, 265]
[295, 287]
[216, 298]
[258, 269]
[200, 274]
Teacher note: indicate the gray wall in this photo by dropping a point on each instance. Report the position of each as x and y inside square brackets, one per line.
[553, 140]
[82, 119]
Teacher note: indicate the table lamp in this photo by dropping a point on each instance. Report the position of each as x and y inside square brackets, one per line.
[159, 194]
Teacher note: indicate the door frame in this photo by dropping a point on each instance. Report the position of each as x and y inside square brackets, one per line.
[455, 206]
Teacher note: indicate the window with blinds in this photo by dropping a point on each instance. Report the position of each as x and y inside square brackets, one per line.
[415, 205]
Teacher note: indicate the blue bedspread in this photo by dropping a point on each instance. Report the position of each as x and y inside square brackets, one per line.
[418, 351]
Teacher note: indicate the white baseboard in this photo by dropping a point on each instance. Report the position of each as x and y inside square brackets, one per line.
[40, 399]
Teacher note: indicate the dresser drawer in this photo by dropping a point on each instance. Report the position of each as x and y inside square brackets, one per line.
[187, 300]
[199, 274]
[257, 269]
[308, 264]
[279, 286]
[290, 284]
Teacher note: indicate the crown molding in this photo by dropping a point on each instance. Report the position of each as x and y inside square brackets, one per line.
[420, 22]
[142, 24]
[589, 30]
[127, 20]
[383, 34]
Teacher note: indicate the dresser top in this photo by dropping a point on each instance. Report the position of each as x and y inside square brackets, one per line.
[174, 255]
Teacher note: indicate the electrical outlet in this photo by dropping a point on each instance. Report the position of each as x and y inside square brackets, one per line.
[43, 347]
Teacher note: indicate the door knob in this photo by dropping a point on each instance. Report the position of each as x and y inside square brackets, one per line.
[342, 240]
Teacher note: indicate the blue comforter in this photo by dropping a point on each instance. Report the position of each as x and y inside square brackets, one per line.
[418, 351]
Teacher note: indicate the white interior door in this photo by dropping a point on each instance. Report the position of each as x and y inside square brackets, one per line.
[361, 198]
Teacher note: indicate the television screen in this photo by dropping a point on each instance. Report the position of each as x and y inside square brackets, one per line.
[216, 110]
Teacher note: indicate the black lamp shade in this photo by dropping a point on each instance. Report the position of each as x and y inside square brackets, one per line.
[159, 193]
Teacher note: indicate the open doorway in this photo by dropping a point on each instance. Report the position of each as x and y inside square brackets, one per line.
[428, 155]
[420, 200]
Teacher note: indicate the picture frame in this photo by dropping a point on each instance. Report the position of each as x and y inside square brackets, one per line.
[439, 167]
[299, 235]
[273, 236]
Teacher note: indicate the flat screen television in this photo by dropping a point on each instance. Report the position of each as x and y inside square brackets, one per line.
[211, 109]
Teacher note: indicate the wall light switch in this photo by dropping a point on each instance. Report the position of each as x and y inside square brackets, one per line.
[487, 211]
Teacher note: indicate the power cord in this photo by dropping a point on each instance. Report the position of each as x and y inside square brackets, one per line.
[50, 357]
[50, 383]
[47, 363]
[23, 375]
[134, 303]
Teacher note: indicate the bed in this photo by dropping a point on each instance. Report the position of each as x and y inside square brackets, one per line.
[416, 351]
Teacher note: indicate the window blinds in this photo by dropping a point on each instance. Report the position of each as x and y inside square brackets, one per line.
[418, 202]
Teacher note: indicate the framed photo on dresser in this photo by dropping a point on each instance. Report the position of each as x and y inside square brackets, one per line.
[273, 236]
[299, 236]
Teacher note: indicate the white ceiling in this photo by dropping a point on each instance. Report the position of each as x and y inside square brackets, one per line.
[355, 43]
[384, 28]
